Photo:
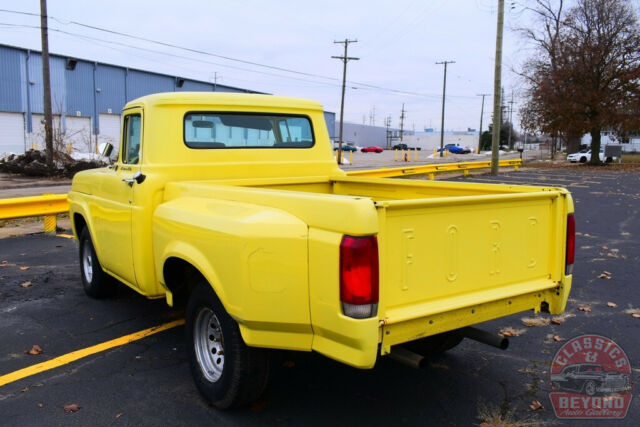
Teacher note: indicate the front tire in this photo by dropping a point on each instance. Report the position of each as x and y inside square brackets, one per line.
[226, 371]
[583, 159]
[96, 283]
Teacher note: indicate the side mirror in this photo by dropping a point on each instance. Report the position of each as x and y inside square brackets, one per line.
[105, 149]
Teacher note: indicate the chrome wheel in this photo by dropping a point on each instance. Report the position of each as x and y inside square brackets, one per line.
[209, 344]
[87, 262]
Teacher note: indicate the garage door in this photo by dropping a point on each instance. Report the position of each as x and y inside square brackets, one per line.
[11, 133]
[36, 138]
[110, 130]
[78, 133]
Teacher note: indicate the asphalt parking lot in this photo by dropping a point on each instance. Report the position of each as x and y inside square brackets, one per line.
[147, 382]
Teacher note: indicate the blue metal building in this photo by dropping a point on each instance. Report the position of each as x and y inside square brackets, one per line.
[87, 97]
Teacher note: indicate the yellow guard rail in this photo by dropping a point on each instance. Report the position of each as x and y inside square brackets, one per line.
[433, 168]
[47, 205]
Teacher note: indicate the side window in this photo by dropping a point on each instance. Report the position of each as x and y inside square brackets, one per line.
[131, 139]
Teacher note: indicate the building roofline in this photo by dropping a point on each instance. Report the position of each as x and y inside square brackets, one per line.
[130, 68]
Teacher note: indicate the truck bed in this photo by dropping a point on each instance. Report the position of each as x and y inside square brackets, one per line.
[451, 254]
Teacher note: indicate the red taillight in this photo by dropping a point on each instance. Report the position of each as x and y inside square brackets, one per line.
[571, 244]
[359, 281]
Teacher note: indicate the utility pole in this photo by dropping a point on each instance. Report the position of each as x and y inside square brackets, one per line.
[387, 124]
[344, 60]
[481, 114]
[444, 91]
[215, 81]
[46, 84]
[401, 121]
[510, 120]
[497, 84]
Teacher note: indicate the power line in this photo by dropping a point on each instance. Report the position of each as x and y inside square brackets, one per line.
[360, 85]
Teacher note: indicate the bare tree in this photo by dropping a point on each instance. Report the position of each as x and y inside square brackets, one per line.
[585, 74]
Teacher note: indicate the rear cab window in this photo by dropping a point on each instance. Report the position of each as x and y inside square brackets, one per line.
[240, 130]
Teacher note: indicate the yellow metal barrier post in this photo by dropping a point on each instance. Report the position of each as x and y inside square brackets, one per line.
[350, 157]
[395, 157]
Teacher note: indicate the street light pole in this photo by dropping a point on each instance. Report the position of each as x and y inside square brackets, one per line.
[444, 91]
[481, 114]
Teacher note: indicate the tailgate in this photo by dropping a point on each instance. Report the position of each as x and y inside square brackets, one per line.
[444, 254]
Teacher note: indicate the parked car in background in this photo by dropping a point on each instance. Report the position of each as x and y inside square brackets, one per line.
[584, 156]
[455, 149]
[346, 147]
[400, 147]
[374, 149]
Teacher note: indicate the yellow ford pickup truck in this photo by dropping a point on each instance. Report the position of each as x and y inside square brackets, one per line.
[233, 204]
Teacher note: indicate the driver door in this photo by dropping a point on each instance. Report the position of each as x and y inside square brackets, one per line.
[113, 219]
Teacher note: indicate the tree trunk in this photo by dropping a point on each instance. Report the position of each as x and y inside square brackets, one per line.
[595, 147]
[573, 143]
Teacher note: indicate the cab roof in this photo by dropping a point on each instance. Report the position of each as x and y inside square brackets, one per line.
[214, 99]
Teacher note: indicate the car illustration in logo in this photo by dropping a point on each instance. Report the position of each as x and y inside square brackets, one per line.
[589, 379]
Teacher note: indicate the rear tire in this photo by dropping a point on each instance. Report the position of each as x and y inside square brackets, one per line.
[436, 344]
[96, 283]
[226, 371]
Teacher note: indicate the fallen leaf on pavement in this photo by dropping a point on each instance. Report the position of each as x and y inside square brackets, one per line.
[119, 415]
[558, 338]
[535, 321]
[36, 349]
[26, 284]
[559, 320]
[439, 366]
[258, 406]
[41, 405]
[24, 267]
[605, 275]
[74, 407]
[612, 304]
[535, 405]
[511, 332]
[584, 308]
[636, 315]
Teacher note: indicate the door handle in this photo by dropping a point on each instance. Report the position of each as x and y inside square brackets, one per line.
[137, 177]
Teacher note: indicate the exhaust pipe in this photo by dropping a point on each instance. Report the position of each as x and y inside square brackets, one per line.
[485, 337]
[406, 357]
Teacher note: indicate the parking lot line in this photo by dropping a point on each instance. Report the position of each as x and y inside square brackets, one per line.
[79, 354]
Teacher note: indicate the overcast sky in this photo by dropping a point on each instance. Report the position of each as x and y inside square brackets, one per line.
[398, 44]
